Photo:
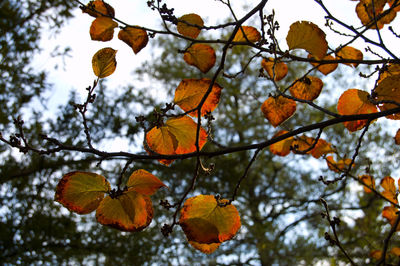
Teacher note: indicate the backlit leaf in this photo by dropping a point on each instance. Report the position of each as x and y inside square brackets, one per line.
[278, 109]
[302, 144]
[391, 2]
[205, 248]
[81, 192]
[395, 251]
[187, 30]
[250, 32]
[137, 39]
[130, 211]
[390, 213]
[102, 29]
[177, 136]
[322, 148]
[190, 92]
[350, 53]
[144, 182]
[307, 88]
[308, 36]
[389, 189]
[338, 166]
[104, 63]
[391, 70]
[201, 56]
[325, 68]
[98, 8]
[365, 12]
[354, 102]
[281, 148]
[389, 90]
[205, 222]
[276, 70]
[369, 181]
[376, 254]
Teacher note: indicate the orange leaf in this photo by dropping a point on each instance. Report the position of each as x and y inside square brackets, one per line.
[136, 38]
[397, 137]
[391, 70]
[376, 254]
[350, 53]
[276, 70]
[365, 12]
[104, 63]
[325, 68]
[277, 110]
[338, 166]
[205, 222]
[130, 211]
[144, 183]
[301, 144]
[102, 29]
[190, 92]
[354, 102]
[187, 30]
[205, 248]
[321, 148]
[281, 148]
[307, 88]
[391, 2]
[390, 213]
[98, 8]
[395, 251]
[250, 32]
[201, 56]
[389, 90]
[307, 36]
[369, 181]
[177, 136]
[81, 192]
[390, 190]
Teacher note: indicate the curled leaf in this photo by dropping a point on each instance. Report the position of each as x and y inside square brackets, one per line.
[104, 63]
[201, 56]
[187, 30]
[137, 39]
[276, 70]
[278, 109]
[307, 88]
[102, 29]
[248, 32]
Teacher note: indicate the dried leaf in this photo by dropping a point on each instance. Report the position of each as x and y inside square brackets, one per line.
[250, 32]
[81, 192]
[389, 189]
[307, 36]
[281, 148]
[338, 166]
[350, 53]
[98, 8]
[201, 56]
[104, 63]
[391, 70]
[390, 213]
[397, 137]
[277, 110]
[137, 39]
[368, 13]
[187, 30]
[205, 248]
[389, 90]
[369, 181]
[102, 29]
[354, 102]
[144, 182]
[325, 68]
[190, 92]
[307, 88]
[276, 70]
[302, 144]
[322, 148]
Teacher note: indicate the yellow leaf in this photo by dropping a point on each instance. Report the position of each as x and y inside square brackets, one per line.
[354, 102]
[201, 56]
[325, 68]
[144, 182]
[205, 222]
[307, 88]
[369, 181]
[98, 8]
[349, 53]
[187, 30]
[136, 38]
[190, 92]
[276, 70]
[281, 148]
[102, 29]
[104, 63]
[250, 32]
[278, 109]
[389, 90]
[81, 192]
[205, 248]
[308, 36]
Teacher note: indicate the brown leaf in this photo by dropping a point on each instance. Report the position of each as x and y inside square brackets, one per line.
[187, 30]
[278, 109]
[350, 53]
[98, 8]
[276, 70]
[201, 56]
[136, 38]
[102, 29]
[250, 32]
[307, 88]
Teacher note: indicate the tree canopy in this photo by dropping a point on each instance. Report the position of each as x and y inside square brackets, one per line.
[262, 151]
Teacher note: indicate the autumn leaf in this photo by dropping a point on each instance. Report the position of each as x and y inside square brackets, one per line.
[369, 181]
[349, 53]
[397, 137]
[389, 90]
[187, 30]
[278, 109]
[389, 70]
[204, 221]
[144, 182]
[391, 2]
[338, 166]
[368, 13]
[307, 88]
[325, 68]
[190, 92]
[302, 144]
[136, 38]
[205, 248]
[390, 213]
[308, 36]
[355, 102]
[98, 8]
[322, 148]
[389, 189]
[102, 29]
[276, 70]
[395, 251]
[376, 254]
[201, 56]
[250, 32]
[81, 192]
[281, 148]
[104, 63]
[177, 136]
[130, 211]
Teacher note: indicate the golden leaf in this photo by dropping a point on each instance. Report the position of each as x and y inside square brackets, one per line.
[136, 38]
[104, 63]
[187, 30]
